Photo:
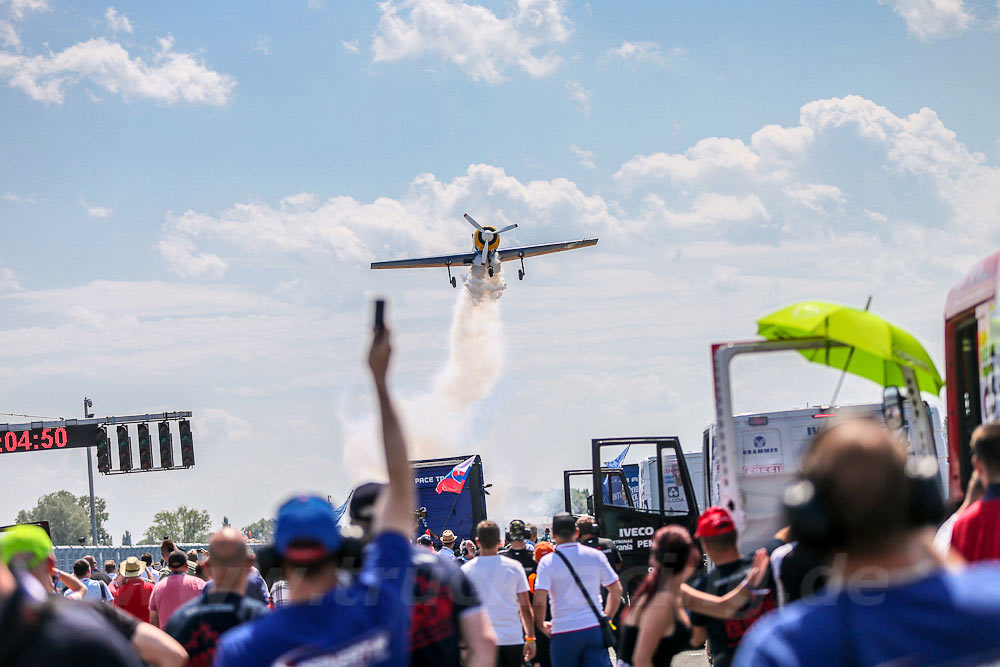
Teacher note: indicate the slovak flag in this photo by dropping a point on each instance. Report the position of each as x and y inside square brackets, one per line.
[455, 481]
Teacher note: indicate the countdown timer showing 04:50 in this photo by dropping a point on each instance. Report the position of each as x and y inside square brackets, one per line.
[45, 438]
[29, 440]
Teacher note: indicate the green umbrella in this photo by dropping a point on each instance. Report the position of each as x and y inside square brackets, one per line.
[875, 348]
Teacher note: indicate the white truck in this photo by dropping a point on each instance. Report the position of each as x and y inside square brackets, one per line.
[769, 448]
[648, 496]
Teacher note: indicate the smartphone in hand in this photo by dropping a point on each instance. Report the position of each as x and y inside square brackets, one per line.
[379, 315]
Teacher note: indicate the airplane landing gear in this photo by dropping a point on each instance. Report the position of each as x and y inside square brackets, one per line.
[520, 272]
[451, 278]
[490, 271]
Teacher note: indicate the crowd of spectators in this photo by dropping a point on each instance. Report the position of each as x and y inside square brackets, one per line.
[866, 572]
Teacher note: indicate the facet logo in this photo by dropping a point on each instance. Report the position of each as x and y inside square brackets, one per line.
[759, 441]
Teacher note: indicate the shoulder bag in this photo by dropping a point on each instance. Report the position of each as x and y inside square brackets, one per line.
[607, 634]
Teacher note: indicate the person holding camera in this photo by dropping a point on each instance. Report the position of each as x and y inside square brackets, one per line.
[365, 622]
[888, 600]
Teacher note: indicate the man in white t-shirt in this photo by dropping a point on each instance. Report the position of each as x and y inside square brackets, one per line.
[503, 589]
[575, 628]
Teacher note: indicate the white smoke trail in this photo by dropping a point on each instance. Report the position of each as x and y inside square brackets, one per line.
[441, 422]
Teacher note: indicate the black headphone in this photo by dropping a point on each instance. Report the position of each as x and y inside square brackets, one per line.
[815, 523]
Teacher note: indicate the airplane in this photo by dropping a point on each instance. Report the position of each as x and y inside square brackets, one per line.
[486, 253]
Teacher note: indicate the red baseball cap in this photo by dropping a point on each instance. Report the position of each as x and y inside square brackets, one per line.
[714, 521]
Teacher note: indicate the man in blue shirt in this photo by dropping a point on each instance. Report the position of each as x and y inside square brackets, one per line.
[887, 600]
[365, 622]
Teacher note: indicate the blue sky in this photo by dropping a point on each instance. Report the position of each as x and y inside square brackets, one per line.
[190, 198]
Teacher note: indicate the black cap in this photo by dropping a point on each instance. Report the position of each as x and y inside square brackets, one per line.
[425, 540]
[563, 521]
[363, 501]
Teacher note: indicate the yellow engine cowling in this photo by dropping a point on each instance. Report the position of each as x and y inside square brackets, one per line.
[477, 239]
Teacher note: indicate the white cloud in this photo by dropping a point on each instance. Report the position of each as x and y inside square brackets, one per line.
[814, 196]
[94, 211]
[172, 76]
[182, 260]
[351, 47]
[708, 156]
[9, 36]
[707, 210]
[585, 157]
[8, 280]
[580, 95]
[19, 8]
[646, 53]
[315, 4]
[472, 37]
[263, 45]
[117, 22]
[18, 199]
[428, 219]
[932, 19]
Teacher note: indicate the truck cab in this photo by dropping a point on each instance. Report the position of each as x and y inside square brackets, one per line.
[620, 490]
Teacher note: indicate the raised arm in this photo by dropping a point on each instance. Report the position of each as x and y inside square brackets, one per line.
[71, 582]
[724, 606]
[395, 511]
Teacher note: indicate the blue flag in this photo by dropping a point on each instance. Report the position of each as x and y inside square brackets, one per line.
[615, 464]
[338, 512]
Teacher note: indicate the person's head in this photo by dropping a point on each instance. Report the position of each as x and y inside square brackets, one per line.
[167, 547]
[306, 538]
[426, 542]
[110, 567]
[132, 568]
[177, 561]
[228, 560]
[362, 508]
[718, 536]
[517, 532]
[563, 528]
[92, 562]
[28, 547]
[147, 559]
[448, 540]
[468, 549]
[858, 473]
[192, 555]
[532, 532]
[673, 558]
[585, 527]
[986, 452]
[542, 549]
[488, 537]
[81, 569]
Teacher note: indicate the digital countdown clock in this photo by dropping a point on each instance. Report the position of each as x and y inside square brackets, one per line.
[35, 439]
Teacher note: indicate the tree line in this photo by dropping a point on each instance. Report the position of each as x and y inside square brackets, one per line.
[69, 522]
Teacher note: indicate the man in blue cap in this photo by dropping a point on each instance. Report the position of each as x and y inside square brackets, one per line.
[365, 622]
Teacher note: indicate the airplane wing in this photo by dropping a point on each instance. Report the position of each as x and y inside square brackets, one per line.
[543, 249]
[442, 261]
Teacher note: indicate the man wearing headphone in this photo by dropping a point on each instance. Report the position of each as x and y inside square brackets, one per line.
[888, 598]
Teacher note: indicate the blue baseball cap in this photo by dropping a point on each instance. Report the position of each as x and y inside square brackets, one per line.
[306, 519]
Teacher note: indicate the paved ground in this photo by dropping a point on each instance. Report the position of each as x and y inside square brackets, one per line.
[690, 659]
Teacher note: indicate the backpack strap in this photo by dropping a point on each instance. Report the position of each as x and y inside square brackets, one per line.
[583, 590]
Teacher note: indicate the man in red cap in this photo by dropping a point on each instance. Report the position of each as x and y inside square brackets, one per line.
[717, 534]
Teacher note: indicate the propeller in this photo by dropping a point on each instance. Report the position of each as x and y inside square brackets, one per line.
[488, 234]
